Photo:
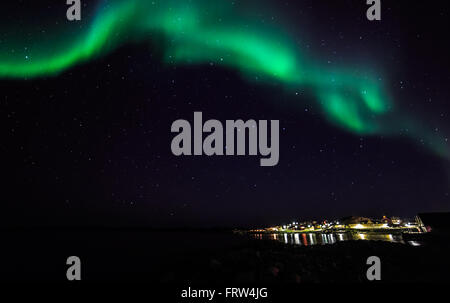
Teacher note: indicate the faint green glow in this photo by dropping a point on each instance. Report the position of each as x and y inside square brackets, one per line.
[344, 113]
[201, 31]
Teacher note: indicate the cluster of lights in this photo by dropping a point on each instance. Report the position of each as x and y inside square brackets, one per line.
[337, 224]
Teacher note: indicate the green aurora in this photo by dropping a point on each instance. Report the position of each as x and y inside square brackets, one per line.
[199, 32]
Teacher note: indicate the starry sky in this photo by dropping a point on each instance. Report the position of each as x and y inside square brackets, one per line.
[86, 109]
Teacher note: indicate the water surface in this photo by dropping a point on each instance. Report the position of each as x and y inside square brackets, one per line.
[308, 239]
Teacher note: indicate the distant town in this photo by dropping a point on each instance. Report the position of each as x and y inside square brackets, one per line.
[384, 224]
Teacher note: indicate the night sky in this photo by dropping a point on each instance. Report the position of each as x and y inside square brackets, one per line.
[89, 142]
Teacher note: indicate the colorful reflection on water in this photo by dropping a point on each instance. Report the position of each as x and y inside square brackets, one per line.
[306, 239]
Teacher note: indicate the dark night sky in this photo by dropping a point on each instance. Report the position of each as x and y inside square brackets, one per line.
[92, 145]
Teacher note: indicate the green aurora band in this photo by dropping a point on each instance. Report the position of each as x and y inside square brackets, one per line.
[201, 31]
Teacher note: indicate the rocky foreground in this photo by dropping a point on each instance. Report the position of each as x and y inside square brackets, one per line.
[274, 262]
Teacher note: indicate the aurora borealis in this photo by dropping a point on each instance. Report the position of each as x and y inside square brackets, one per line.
[199, 32]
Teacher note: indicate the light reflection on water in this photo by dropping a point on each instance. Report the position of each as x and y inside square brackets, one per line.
[307, 239]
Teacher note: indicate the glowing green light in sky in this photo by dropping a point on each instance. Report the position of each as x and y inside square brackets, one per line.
[200, 31]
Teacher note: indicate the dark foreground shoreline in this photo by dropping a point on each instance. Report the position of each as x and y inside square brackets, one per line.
[210, 258]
